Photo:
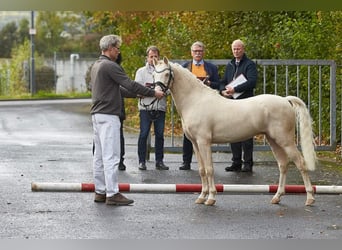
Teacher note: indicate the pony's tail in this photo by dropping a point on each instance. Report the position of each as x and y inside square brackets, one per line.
[305, 132]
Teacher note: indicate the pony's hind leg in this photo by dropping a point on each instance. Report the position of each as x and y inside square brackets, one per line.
[300, 164]
[298, 160]
[282, 181]
[282, 160]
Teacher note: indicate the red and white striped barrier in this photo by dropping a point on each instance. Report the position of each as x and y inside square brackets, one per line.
[179, 188]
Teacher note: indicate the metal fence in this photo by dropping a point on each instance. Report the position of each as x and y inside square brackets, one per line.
[314, 81]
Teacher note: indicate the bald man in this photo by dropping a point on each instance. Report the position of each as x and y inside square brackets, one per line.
[240, 64]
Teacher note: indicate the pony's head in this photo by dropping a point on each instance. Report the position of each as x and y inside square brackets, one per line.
[163, 74]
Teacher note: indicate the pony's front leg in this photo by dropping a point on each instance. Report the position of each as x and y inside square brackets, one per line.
[204, 193]
[211, 183]
[205, 190]
[204, 152]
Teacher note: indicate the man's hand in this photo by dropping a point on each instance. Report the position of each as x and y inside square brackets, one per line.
[206, 81]
[230, 90]
[158, 93]
[225, 93]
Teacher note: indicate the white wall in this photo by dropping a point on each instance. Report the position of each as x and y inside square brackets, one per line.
[71, 75]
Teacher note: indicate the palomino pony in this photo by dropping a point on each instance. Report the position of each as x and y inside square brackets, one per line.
[210, 118]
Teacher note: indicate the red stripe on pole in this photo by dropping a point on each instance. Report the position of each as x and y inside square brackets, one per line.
[290, 188]
[188, 187]
[88, 187]
[124, 187]
[195, 187]
[219, 187]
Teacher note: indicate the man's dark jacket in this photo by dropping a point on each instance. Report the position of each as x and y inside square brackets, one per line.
[246, 67]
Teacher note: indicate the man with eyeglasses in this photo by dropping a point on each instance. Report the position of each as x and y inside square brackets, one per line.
[208, 74]
[106, 77]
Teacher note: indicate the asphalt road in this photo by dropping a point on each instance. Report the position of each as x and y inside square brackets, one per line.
[51, 141]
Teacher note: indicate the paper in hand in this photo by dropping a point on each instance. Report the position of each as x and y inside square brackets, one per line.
[236, 82]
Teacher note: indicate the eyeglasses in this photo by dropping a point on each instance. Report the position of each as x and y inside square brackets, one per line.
[197, 51]
[118, 48]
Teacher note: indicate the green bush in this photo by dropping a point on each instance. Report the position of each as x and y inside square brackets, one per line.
[45, 79]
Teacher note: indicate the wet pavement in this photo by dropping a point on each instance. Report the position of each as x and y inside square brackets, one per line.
[51, 141]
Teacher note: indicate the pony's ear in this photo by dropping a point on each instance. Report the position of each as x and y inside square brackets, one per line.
[166, 61]
[155, 61]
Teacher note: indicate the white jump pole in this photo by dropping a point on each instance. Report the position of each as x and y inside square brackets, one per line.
[181, 188]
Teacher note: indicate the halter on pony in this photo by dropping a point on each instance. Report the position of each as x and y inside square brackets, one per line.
[154, 114]
[164, 87]
[152, 102]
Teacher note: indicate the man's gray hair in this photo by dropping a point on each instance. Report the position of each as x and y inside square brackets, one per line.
[198, 43]
[110, 40]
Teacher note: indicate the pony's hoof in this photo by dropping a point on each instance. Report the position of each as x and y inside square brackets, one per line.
[275, 200]
[210, 202]
[200, 201]
[309, 202]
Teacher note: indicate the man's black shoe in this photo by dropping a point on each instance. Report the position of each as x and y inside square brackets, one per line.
[185, 166]
[122, 166]
[247, 168]
[233, 168]
[161, 166]
[142, 166]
